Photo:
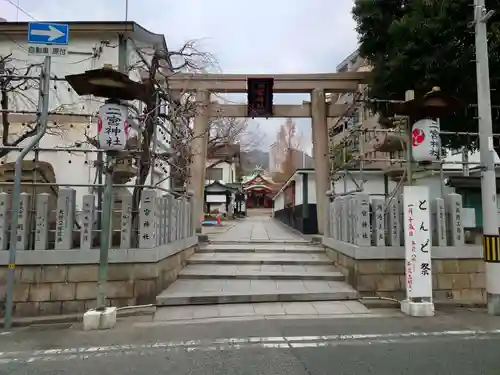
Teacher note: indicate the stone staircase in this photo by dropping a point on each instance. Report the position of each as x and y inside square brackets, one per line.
[238, 272]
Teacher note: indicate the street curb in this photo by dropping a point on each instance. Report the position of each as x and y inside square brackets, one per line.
[243, 318]
[74, 318]
[383, 304]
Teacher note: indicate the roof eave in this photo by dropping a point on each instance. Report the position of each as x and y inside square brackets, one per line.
[130, 28]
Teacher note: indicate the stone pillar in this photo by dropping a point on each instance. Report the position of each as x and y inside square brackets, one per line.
[158, 219]
[87, 222]
[65, 219]
[344, 204]
[438, 222]
[169, 199]
[22, 231]
[363, 235]
[126, 222]
[455, 220]
[182, 218]
[147, 230]
[340, 212]
[199, 152]
[192, 230]
[4, 223]
[320, 153]
[378, 221]
[328, 232]
[331, 220]
[394, 223]
[187, 217]
[163, 219]
[401, 219]
[351, 206]
[174, 217]
[338, 222]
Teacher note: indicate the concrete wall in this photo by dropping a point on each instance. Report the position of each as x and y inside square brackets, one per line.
[71, 287]
[455, 280]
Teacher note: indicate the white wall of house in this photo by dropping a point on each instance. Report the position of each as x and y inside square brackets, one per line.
[299, 189]
[279, 202]
[228, 171]
[373, 183]
[311, 189]
[85, 52]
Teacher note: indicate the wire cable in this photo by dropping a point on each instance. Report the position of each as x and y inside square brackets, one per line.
[21, 9]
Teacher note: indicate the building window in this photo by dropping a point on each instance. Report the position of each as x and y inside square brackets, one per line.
[214, 174]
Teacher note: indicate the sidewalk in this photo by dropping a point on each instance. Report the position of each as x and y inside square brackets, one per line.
[267, 311]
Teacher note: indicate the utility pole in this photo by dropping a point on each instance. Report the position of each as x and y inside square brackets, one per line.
[491, 239]
[43, 116]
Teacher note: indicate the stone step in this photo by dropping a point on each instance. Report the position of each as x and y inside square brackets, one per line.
[261, 272]
[262, 248]
[259, 258]
[203, 291]
[261, 241]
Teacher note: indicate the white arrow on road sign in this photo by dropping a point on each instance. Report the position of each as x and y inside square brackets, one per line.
[52, 33]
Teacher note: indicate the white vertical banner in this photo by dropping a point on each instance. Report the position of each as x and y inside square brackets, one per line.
[418, 244]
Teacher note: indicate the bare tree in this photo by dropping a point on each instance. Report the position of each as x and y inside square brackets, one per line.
[177, 119]
[288, 143]
[230, 130]
[14, 84]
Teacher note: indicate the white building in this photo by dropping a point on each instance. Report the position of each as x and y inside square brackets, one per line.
[221, 177]
[124, 45]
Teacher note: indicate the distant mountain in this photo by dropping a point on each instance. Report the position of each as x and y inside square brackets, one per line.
[253, 158]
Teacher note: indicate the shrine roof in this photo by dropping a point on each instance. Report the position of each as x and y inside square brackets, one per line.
[248, 179]
[230, 187]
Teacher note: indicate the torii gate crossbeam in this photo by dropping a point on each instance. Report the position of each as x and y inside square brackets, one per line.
[317, 85]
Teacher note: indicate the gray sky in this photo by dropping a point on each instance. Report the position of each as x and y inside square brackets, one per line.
[258, 36]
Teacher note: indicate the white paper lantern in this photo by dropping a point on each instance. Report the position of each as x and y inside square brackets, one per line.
[425, 140]
[112, 126]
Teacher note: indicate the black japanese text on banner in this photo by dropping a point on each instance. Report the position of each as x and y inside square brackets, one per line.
[112, 126]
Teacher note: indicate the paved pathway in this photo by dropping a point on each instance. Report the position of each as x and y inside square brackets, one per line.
[257, 260]
[259, 229]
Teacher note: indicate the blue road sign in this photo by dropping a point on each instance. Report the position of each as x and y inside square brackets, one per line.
[48, 33]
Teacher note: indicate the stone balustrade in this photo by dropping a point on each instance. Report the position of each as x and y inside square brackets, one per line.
[355, 219]
[365, 239]
[57, 260]
[162, 219]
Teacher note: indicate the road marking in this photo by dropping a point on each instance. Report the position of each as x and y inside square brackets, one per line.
[237, 343]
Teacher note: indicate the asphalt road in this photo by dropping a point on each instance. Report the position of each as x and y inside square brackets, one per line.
[459, 344]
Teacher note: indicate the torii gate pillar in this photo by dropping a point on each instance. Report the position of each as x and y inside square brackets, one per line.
[199, 155]
[320, 154]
